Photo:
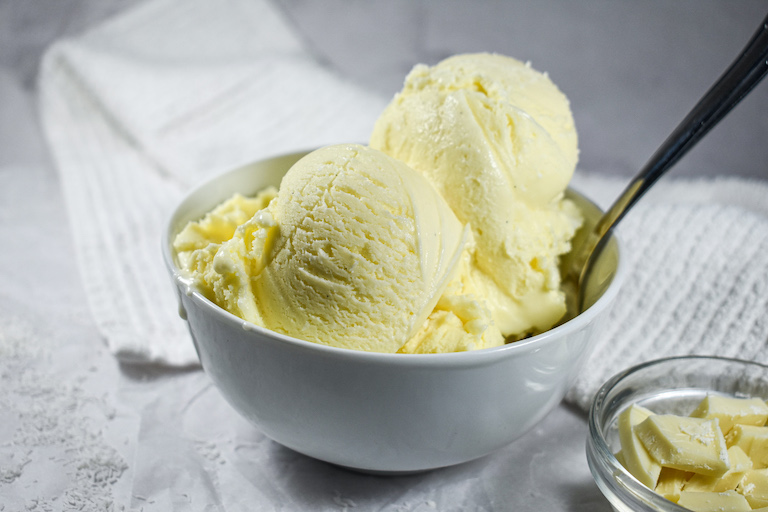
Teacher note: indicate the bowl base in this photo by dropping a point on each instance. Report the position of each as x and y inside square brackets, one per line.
[378, 472]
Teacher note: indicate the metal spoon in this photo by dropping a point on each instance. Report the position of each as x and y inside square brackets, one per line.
[743, 74]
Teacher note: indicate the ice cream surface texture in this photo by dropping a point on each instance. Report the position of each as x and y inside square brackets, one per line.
[356, 250]
[497, 140]
[444, 235]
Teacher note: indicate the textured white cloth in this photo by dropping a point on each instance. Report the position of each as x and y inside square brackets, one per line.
[143, 107]
[152, 102]
[697, 252]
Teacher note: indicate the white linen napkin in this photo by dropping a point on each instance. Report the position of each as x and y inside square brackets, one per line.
[148, 104]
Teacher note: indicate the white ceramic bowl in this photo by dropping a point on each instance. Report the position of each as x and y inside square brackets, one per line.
[381, 412]
[666, 386]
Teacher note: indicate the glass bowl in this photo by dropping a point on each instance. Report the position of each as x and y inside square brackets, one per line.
[666, 386]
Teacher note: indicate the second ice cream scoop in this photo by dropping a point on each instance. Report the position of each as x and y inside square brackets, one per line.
[497, 139]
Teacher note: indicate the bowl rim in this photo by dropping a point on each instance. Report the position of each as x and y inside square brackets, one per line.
[466, 358]
[597, 439]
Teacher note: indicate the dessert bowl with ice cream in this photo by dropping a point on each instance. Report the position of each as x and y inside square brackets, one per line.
[399, 307]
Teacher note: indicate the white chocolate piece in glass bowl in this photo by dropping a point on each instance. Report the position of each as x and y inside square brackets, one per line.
[635, 457]
[685, 443]
[728, 501]
[679, 445]
[754, 487]
[731, 411]
[671, 482]
[740, 464]
[753, 440]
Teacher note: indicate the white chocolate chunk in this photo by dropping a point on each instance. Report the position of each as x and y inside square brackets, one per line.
[753, 440]
[671, 483]
[728, 501]
[754, 487]
[701, 469]
[688, 444]
[635, 457]
[740, 464]
[732, 411]
[620, 457]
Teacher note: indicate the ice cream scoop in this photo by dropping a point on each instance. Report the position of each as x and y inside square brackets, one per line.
[356, 250]
[341, 213]
[497, 139]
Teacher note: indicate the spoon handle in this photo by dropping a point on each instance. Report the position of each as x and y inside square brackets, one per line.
[742, 75]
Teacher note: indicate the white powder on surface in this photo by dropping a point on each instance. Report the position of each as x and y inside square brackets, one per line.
[703, 433]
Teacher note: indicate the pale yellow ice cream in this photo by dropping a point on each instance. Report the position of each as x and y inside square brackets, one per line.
[450, 243]
[356, 250]
[497, 140]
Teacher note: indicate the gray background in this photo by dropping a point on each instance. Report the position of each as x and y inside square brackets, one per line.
[632, 69]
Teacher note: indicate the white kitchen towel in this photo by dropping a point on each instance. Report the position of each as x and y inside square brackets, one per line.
[148, 104]
[697, 280]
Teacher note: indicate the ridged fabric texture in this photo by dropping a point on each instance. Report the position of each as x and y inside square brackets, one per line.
[153, 102]
[697, 280]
